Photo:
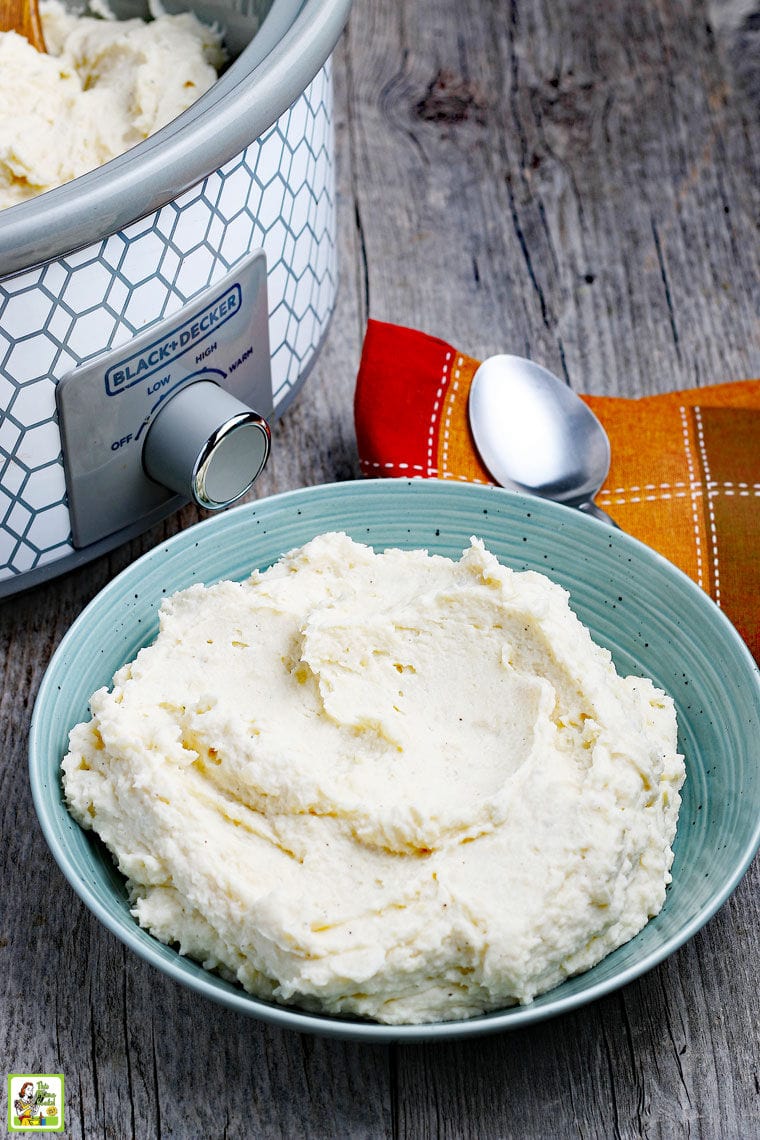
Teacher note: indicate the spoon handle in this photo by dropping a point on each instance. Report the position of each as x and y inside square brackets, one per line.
[590, 508]
[22, 16]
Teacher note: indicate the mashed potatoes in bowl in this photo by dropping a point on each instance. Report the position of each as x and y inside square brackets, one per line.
[387, 784]
[493, 878]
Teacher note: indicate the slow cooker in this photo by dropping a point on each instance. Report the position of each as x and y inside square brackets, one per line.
[157, 312]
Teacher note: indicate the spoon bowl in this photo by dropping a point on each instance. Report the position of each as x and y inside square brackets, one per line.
[535, 435]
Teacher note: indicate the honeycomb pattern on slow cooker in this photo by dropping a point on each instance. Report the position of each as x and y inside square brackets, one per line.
[278, 193]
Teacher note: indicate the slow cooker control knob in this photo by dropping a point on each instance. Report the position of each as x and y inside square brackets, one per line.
[206, 445]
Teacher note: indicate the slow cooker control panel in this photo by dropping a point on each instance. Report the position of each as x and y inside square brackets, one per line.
[177, 413]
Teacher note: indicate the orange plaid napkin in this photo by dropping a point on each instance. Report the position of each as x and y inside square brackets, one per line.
[685, 473]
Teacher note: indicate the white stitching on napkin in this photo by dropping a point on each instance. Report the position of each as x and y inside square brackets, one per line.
[694, 493]
[710, 508]
[375, 465]
[451, 396]
[714, 489]
[432, 470]
[647, 487]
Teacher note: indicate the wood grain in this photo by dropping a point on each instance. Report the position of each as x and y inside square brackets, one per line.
[578, 182]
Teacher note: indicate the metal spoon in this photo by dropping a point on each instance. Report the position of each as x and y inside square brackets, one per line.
[535, 435]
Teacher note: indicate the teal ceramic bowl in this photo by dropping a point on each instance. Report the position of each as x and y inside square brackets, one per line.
[653, 619]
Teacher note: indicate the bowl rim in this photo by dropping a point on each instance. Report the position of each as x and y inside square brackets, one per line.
[337, 1026]
[294, 41]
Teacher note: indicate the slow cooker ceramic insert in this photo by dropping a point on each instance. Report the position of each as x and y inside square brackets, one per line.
[157, 312]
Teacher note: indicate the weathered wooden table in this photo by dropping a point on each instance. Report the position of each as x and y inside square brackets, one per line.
[577, 182]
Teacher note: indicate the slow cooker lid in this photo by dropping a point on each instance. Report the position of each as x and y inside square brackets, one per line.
[293, 42]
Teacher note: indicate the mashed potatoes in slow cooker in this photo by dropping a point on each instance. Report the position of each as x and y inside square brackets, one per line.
[103, 86]
[392, 785]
